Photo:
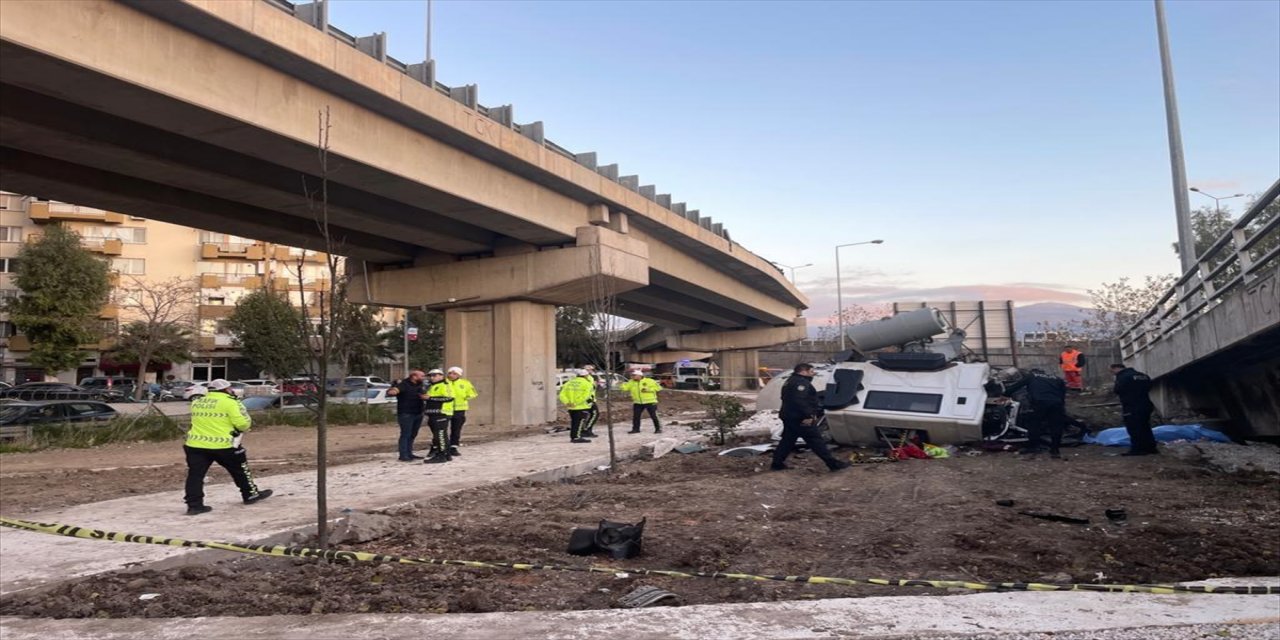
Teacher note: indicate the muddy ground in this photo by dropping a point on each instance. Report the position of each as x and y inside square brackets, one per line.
[41, 480]
[913, 519]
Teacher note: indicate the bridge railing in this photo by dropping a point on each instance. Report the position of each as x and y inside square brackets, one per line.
[1238, 257]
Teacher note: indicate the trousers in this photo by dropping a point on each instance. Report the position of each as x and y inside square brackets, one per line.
[1051, 419]
[456, 421]
[578, 422]
[1138, 424]
[410, 424]
[235, 461]
[439, 425]
[792, 430]
[637, 412]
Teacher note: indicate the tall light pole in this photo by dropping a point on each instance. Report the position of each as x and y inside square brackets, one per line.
[793, 269]
[839, 292]
[1217, 202]
[1181, 204]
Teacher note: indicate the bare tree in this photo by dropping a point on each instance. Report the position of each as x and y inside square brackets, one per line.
[161, 311]
[853, 314]
[604, 333]
[319, 335]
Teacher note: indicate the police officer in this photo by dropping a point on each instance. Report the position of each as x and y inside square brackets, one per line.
[1134, 389]
[463, 392]
[1048, 397]
[578, 395]
[644, 397]
[437, 408]
[217, 422]
[801, 413]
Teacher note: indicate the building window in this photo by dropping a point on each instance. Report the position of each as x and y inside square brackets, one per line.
[129, 266]
[903, 401]
[127, 235]
[6, 330]
[8, 265]
[213, 237]
[8, 294]
[10, 202]
[10, 234]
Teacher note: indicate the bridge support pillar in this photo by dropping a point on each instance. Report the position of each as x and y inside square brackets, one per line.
[739, 369]
[508, 350]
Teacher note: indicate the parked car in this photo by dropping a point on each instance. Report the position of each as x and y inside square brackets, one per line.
[50, 391]
[279, 401]
[52, 411]
[111, 388]
[372, 395]
[259, 387]
[199, 390]
[299, 385]
[341, 386]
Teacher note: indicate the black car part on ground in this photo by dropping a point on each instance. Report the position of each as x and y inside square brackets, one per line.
[619, 539]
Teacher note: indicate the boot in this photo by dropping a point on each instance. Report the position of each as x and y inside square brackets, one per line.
[580, 441]
[634, 431]
[453, 451]
[258, 497]
[438, 458]
[197, 509]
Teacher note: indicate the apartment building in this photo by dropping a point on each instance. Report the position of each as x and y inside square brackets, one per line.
[224, 267]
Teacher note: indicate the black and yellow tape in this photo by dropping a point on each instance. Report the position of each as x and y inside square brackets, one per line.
[364, 556]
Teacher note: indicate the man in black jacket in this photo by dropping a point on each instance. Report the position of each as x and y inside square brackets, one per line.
[1048, 397]
[1134, 389]
[801, 413]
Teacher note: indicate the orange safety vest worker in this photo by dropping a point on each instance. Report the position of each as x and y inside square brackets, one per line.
[1071, 360]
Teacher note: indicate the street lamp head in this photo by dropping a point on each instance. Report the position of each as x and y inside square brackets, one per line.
[810, 264]
[1195, 189]
[877, 242]
[1238, 195]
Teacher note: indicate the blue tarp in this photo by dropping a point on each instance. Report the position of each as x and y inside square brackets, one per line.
[1118, 437]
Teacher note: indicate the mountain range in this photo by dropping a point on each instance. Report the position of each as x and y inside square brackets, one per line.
[1031, 317]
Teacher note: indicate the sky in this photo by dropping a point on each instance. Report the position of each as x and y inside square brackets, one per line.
[1002, 150]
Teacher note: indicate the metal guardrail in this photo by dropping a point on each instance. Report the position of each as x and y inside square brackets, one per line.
[502, 115]
[1234, 260]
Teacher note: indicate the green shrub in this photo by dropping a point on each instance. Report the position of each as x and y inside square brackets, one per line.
[725, 412]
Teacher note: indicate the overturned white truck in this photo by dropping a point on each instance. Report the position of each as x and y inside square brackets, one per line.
[925, 385]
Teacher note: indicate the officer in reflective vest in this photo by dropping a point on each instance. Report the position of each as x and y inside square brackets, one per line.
[644, 397]
[463, 392]
[217, 422]
[437, 409]
[579, 396]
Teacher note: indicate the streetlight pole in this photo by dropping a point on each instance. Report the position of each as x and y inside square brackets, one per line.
[1181, 204]
[793, 269]
[1217, 202]
[839, 291]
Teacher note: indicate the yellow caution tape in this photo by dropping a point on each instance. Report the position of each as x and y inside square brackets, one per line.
[364, 556]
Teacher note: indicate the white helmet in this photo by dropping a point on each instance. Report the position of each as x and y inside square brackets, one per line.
[457, 370]
[435, 372]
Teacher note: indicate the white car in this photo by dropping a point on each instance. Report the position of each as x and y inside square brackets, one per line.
[373, 395]
[199, 390]
[258, 387]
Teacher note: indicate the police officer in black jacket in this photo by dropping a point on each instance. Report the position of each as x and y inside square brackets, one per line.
[1134, 389]
[1048, 397]
[801, 412]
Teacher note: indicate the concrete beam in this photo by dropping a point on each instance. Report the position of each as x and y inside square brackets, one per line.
[602, 261]
[686, 306]
[734, 340]
[23, 172]
[663, 355]
[657, 316]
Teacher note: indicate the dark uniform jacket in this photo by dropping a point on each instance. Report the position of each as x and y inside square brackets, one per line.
[1046, 391]
[1134, 389]
[799, 399]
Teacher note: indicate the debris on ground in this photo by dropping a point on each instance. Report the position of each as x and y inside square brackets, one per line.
[648, 596]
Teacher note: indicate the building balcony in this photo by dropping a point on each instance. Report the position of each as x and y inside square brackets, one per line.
[105, 246]
[19, 343]
[219, 280]
[315, 284]
[109, 312]
[290, 254]
[234, 250]
[41, 212]
[215, 311]
[105, 344]
[215, 342]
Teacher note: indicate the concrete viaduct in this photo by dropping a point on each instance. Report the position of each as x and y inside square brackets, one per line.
[1212, 342]
[206, 113]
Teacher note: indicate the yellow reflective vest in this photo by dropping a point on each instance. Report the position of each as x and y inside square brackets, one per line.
[643, 391]
[578, 393]
[463, 392]
[439, 399]
[214, 418]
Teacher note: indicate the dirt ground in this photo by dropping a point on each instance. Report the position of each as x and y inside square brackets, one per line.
[913, 519]
[62, 477]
